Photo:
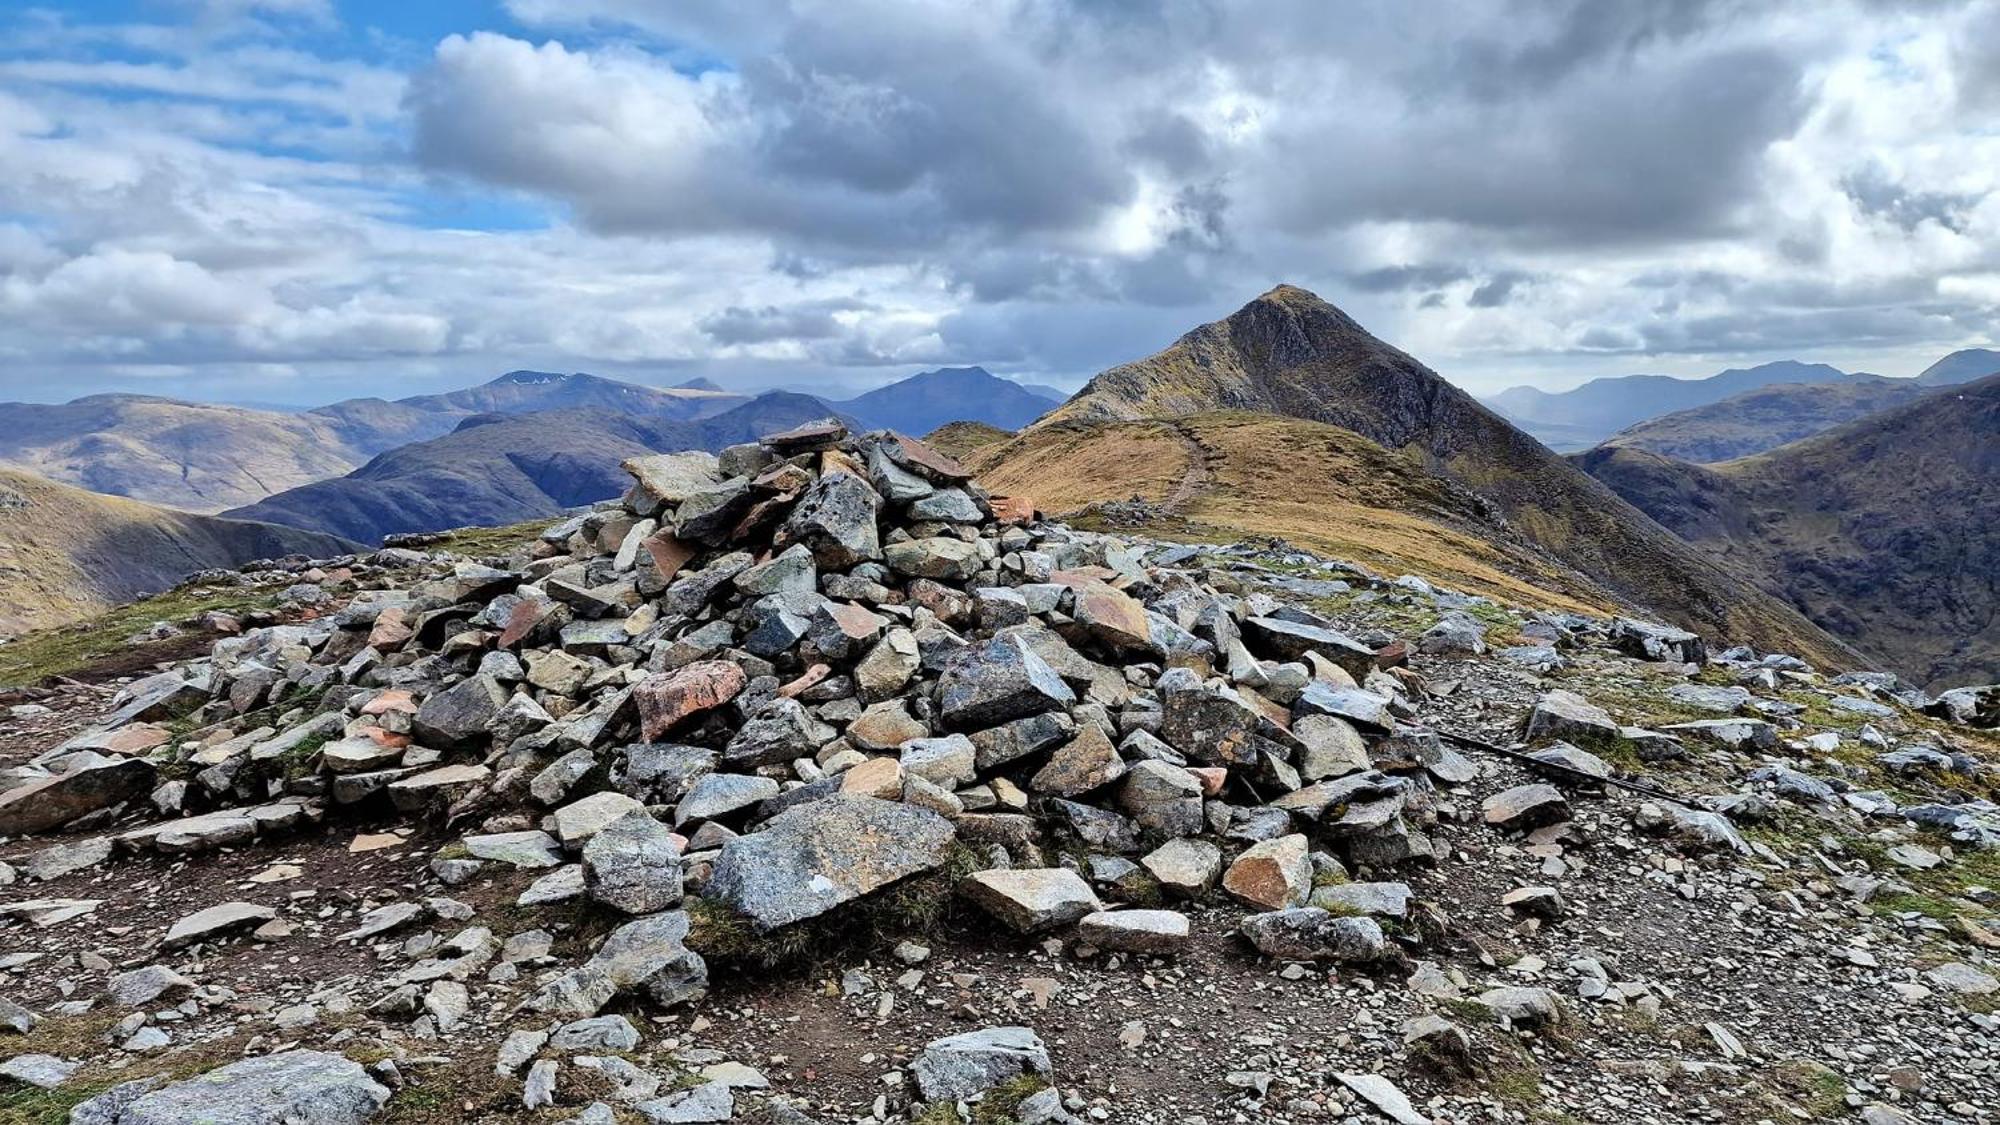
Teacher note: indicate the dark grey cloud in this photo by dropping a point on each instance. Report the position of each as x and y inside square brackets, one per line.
[809, 321]
[1877, 193]
[1395, 278]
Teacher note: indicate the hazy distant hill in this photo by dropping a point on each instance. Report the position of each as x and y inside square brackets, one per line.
[378, 425]
[66, 553]
[1886, 531]
[1585, 415]
[1290, 353]
[505, 468]
[1767, 417]
[923, 402]
[1961, 367]
[201, 458]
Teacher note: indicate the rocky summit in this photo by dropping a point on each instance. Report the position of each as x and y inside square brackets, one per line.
[810, 782]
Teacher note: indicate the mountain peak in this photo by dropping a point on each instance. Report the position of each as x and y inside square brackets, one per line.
[1285, 293]
[698, 383]
[525, 378]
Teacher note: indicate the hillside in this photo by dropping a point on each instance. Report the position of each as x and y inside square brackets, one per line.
[1233, 475]
[1290, 353]
[959, 439]
[379, 425]
[200, 458]
[1586, 415]
[1961, 366]
[66, 553]
[505, 468]
[1885, 531]
[1767, 417]
[925, 401]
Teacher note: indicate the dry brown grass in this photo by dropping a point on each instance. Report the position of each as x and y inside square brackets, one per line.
[1315, 485]
[1062, 468]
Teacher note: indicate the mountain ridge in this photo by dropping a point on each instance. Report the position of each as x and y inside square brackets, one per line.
[1290, 353]
[499, 469]
[1767, 417]
[1886, 529]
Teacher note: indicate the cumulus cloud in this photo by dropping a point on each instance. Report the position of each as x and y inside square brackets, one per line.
[784, 191]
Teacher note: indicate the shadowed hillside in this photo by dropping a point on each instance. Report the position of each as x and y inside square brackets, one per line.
[1290, 353]
[1885, 531]
[506, 468]
[1766, 418]
[66, 553]
[1583, 416]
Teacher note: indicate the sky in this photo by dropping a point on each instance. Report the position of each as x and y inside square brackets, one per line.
[297, 201]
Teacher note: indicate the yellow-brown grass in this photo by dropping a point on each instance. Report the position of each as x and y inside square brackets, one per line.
[1315, 485]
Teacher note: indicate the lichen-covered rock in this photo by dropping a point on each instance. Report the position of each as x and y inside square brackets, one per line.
[969, 1064]
[281, 1089]
[809, 859]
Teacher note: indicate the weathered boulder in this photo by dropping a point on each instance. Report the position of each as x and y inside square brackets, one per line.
[967, 1065]
[998, 682]
[666, 701]
[295, 1086]
[633, 865]
[1526, 807]
[1135, 931]
[1030, 900]
[1272, 874]
[1568, 716]
[54, 802]
[807, 860]
[1307, 933]
[1292, 640]
[835, 520]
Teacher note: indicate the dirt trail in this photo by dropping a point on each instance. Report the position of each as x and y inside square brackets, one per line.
[1198, 477]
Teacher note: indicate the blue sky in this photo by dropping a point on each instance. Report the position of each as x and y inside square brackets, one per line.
[300, 200]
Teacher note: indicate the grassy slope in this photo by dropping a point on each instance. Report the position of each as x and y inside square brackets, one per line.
[66, 553]
[959, 439]
[1315, 485]
[1289, 353]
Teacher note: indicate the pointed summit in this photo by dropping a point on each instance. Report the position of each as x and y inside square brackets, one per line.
[1291, 354]
[1287, 352]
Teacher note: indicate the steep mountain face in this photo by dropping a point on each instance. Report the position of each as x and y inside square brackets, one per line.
[923, 402]
[66, 553]
[1290, 353]
[1766, 418]
[196, 457]
[1885, 531]
[505, 468]
[378, 425]
[1590, 413]
[1962, 366]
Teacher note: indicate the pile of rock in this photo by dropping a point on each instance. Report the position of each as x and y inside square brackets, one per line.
[790, 676]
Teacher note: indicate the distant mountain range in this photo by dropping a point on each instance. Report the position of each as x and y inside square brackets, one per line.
[192, 456]
[1886, 531]
[66, 553]
[1767, 417]
[1583, 416]
[377, 425]
[506, 468]
[208, 458]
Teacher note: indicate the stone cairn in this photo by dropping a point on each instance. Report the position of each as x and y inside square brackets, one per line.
[765, 687]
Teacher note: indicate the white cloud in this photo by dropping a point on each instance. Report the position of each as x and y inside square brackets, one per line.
[793, 191]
